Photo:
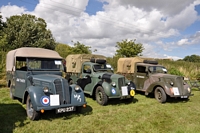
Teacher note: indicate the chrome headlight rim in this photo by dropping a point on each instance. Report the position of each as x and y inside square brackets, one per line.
[171, 83]
[45, 89]
[77, 88]
[113, 84]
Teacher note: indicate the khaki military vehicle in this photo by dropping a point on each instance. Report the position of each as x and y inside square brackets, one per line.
[152, 78]
[97, 79]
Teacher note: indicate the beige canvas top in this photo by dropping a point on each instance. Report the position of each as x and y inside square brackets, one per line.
[74, 61]
[127, 65]
[29, 52]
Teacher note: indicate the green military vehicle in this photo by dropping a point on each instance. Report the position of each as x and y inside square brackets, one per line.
[152, 78]
[34, 76]
[97, 79]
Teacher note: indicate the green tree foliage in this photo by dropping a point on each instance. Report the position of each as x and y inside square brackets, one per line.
[28, 31]
[192, 58]
[128, 48]
[63, 49]
[80, 49]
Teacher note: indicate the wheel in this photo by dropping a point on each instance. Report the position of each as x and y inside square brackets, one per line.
[31, 113]
[100, 95]
[160, 95]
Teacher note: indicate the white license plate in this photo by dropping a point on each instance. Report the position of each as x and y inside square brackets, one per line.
[124, 90]
[67, 109]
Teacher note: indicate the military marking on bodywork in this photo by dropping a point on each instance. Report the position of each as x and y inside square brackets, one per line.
[20, 80]
[45, 100]
[140, 76]
[78, 97]
[113, 91]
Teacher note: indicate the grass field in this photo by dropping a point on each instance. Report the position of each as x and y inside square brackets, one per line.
[143, 115]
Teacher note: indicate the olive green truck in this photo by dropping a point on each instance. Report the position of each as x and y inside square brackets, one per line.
[152, 78]
[97, 79]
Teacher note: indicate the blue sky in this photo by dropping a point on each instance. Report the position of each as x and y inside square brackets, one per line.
[164, 31]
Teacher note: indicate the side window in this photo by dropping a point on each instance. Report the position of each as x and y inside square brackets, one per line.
[21, 63]
[141, 69]
[86, 69]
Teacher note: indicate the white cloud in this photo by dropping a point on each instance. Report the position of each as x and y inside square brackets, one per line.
[149, 22]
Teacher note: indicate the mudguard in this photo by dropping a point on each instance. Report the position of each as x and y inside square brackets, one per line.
[108, 90]
[150, 89]
[35, 94]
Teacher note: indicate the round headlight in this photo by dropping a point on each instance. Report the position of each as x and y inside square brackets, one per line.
[46, 89]
[113, 84]
[189, 89]
[171, 83]
[76, 88]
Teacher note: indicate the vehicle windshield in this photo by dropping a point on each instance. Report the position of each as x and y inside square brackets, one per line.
[103, 67]
[157, 69]
[45, 64]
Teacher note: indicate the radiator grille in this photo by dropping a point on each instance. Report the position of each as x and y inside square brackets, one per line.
[179, 81]
[121, 82]
[58, 86]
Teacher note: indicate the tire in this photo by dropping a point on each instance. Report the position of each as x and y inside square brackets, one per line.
[160, 95]
[31, 113]
[101, 96]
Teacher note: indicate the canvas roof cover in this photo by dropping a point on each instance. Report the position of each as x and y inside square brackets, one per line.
[74, 61]
[29, 52]
[127, 65]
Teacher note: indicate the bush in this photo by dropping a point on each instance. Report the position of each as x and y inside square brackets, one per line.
[174, 71]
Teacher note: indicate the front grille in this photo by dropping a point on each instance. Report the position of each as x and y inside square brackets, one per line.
[58, 86]
[179, 81]
[121, 82]
[61, 90]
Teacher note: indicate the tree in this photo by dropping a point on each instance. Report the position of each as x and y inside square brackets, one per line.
[63, 49]
[80, 49]
[28, 31]
[192, 58]
[128, 48]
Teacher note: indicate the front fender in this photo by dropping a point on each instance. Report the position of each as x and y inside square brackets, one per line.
[108, 90]
[151, 88]
[78, 97]
[35, 94]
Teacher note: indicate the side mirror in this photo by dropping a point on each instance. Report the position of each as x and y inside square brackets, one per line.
[30, 78]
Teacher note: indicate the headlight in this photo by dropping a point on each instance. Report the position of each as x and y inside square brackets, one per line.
[189, 89]
[46, 89]
[113, 84]
[132, 88]
[76, 88]
[171, 83]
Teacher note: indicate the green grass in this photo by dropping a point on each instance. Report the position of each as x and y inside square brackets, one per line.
[143, 115]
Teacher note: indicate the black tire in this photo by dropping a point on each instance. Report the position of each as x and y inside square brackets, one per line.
[160, 95]
[101, 96]
[31, 113]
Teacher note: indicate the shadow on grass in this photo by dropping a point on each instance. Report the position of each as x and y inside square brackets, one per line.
[123, 101]
[169, 99]
[11, 116]
[51, 114]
